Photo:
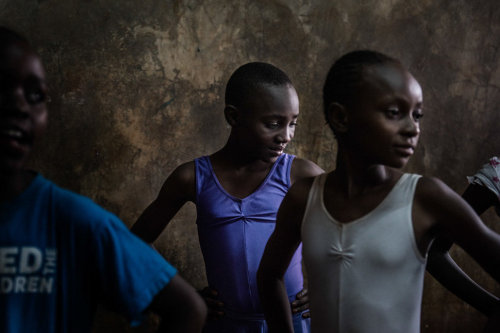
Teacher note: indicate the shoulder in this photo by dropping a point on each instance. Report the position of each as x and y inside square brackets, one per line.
[302, 168]
[77, 214]
[438, 203]
[433, 190]
[75, 205]
[183, 177]
[185, 172]
[181, 184]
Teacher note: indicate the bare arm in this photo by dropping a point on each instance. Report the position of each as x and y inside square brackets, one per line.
[480, 198]
[302, 168]
[444, 269]
[180, 307]
[453, 217]
[179, 188]
[279, 251]
[175, 192]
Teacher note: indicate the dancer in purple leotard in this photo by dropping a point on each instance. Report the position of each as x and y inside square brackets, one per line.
[237, 192]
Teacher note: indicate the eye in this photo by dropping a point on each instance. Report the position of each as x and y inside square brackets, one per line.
[293, 124]
[34, 90]
[35, 96]
[272, 124]
[392, 113]
[417, 115]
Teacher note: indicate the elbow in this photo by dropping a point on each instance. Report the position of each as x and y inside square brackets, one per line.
[267, 280]
[262, 278]
[188, 315]
[197, 312]
[180, 307]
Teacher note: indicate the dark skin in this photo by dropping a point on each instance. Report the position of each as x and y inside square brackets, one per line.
[23, 120]
[23, 115]
[259, 133]
[377, 135]
[480, 198]
[448, 273]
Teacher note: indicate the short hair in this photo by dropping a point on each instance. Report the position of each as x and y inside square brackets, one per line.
[346, 76]
[9, 37]
[244, 82]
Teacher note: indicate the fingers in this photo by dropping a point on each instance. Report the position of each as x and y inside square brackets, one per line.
[303, 293]
[214, 305]
[296, 308]
[301, 303]
[213, 314]
[208, 292]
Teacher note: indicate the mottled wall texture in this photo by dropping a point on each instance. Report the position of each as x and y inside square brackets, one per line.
[137, 88]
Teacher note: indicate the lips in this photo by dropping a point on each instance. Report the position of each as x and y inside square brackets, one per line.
[277, 150]
[406, 150]
[12, 133]
[14, 139]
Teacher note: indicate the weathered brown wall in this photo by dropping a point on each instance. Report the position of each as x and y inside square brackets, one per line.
[137, 88]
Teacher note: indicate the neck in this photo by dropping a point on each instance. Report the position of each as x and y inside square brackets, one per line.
[13, 184]
[234, 155]
[354, 175]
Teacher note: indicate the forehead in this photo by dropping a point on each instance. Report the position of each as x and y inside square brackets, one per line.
[391, 80]
[19, 61]
[270, 100]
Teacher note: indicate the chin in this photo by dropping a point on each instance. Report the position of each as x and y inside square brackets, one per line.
[270, 159]
[10, 167]
[398, 163]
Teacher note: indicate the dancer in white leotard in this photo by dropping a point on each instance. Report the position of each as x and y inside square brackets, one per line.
[366, 227]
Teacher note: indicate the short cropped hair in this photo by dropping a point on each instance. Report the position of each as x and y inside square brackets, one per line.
[8, 37]
[346, 76]
[244, 82]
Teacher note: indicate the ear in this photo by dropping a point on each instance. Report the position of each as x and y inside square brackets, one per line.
[232, 114]
[338, 118]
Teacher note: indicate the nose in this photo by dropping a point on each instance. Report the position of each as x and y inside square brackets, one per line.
[411, 127]
[13, 100]
[285, 135]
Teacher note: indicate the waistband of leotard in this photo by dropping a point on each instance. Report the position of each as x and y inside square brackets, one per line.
[250, 316]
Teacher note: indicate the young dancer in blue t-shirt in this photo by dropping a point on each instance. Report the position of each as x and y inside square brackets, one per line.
[60, 253]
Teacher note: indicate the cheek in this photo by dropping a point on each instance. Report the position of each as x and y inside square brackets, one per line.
[40, 121]
[264, 134]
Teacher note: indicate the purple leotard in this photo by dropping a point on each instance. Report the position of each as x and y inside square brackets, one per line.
[233, 234]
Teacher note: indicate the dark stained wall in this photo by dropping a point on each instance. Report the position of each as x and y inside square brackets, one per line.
[137, 88]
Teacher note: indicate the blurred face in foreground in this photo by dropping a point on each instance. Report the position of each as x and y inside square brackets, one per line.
[23, 109]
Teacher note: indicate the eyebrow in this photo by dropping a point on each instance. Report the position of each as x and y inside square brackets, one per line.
[398, 99]
[278, 116]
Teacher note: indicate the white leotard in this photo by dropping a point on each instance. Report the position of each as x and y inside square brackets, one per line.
[366, 275]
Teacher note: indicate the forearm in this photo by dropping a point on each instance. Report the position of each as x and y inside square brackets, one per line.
[275, 304]
[489, 254]
[444, 269]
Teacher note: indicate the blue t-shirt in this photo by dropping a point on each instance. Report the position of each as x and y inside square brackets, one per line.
[61, 255]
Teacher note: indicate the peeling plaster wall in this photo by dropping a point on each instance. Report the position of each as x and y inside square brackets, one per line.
[137, 88]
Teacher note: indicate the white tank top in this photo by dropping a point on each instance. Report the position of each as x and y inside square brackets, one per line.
[366, 275]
